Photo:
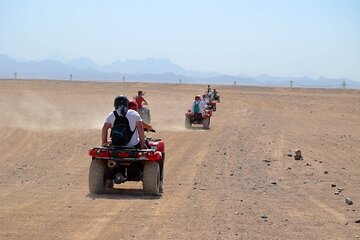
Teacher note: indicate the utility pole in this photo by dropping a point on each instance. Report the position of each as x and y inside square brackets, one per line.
[15, 75]
[70, 77]
[291, 84]
[234, 83]
[123, 79]
[344, 84]
[180, 80]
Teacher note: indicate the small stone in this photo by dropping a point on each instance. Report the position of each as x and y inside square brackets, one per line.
[357, 221]
[237, 213]
[333, 185]
[320, 161]
[336, 193]
[348, 201]
[224, 153]
[231, 174]
[326, 172]
[273, 182]
[306, 181]
[289, 154]
[340, 189]
[297, 155]
[264, 216]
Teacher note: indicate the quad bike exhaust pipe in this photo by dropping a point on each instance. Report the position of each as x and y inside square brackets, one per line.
[111, 163]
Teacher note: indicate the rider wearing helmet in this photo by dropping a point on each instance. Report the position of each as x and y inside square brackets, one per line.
[121, 105]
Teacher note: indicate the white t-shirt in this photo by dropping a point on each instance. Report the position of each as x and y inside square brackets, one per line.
[201, 106]
[132, 117]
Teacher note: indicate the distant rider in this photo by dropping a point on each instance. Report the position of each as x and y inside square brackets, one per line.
[140, 99]
[133, 130]
[205, 100]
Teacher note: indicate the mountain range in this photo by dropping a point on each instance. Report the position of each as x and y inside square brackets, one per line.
[147, 70]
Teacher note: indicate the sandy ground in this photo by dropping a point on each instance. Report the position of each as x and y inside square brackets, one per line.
[219, 183]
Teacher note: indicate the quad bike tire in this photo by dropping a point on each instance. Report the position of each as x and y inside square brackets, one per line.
[161, 164]
[97, 181]
[151, 178]
[187, 123]
[206, 123]
[214, 108]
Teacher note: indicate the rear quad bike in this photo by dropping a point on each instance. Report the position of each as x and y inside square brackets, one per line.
[198, 118]
[211, 105]
[115, 165]
[145, 114]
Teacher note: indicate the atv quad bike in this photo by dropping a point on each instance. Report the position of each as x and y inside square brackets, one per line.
[145, 114]
[115, 165]
[198, 118]
[211, 105]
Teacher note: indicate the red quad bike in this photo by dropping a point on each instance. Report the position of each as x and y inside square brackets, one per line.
[115, 165]
[198, 118]
[211, 105]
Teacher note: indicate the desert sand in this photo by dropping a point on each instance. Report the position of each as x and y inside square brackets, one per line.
[234, 181]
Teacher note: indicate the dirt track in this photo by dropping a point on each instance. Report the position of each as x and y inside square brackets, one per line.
[218, 182]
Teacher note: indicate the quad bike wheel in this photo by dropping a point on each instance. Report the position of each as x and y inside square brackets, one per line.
[187, 123]
[97, 181]
[214, 108]
[151, 178]
[206, 123]
[161, 187]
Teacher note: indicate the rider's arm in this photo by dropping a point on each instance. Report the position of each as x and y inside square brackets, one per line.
[104, 133]
[147, 126]
[140, 128]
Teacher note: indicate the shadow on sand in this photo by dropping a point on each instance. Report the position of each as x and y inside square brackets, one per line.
[124, 194]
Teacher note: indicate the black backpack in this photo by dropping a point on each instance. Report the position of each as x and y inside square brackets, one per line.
[120, 131]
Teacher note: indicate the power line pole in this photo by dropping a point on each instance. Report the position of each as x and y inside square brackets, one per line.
[344, 84]
[291, 84]
[123, 79]
[180, 81]
[70, 77]
[234, 83]
[15, 75]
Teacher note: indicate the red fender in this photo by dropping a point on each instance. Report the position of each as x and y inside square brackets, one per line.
[161, 146]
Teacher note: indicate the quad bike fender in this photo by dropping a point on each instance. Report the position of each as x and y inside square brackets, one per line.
[158, 146]
[161, 146]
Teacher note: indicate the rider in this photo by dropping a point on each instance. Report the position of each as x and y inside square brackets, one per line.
[121, 104]
[208, 89]
[140, 99]
[133, 105]
[197, 105]
[205, 100]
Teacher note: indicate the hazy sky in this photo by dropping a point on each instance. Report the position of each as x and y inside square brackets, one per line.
[281, 38]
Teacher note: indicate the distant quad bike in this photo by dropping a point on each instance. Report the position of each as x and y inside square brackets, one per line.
[198, 118]
[115, 165]
[145, 114]
[211, 105]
